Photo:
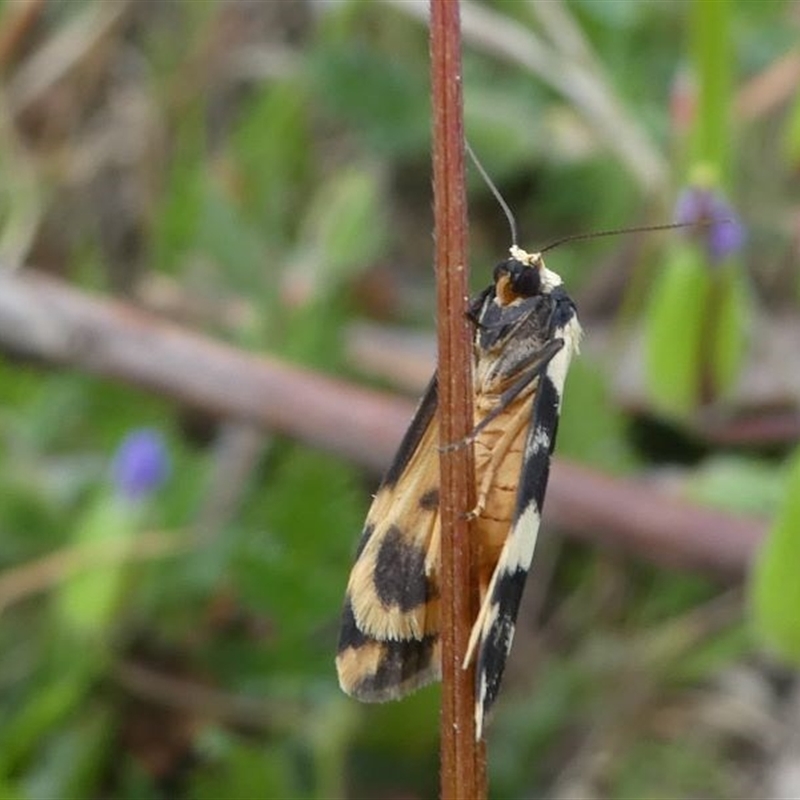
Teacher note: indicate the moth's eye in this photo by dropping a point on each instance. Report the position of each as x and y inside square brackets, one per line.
[503, 268]
[527, 282]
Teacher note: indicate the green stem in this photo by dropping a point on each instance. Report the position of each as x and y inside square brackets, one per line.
[711, 54]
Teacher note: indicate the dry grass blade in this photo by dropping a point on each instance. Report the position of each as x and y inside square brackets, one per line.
[50, 322]
[21, 582]
[72, 46]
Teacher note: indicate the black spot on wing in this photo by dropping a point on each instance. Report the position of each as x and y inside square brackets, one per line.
[422, 418]
[399, 575]
[536, 468]
[497, 645]
[350, 634]
[366, 535]
[430, 500]
[400, 662]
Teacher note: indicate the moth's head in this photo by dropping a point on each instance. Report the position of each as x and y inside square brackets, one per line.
[522, 276]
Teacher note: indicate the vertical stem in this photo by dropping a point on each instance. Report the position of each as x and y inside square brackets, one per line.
[711, 53]
[462, 759]
[708, 387]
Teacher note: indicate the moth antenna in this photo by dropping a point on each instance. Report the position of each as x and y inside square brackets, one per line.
[495, 191]
[617, 231]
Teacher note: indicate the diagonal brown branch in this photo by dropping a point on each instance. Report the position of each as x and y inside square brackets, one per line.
[45, 320]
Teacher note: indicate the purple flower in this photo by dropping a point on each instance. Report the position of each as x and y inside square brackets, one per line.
[141, 464]
[713, 221]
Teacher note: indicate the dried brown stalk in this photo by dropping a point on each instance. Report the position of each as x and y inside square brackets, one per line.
[48, 322]
[463, 773]
[19, 583]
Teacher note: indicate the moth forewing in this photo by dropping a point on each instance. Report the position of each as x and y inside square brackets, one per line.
[526, 332]
[493, 631]
[388, 643]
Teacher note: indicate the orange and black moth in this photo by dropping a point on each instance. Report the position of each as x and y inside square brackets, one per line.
[526, 331]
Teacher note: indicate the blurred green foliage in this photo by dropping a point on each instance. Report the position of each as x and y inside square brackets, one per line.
[683, 344]
[274, 161]
[775, 591]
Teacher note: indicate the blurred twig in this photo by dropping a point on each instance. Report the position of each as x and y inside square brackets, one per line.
[16, 23]
[20, 582]
[403, 357]
[70, 47]
[767, 90]
[758, 414]
[48, 321]
[192, 697]
[21, 182]
[238, 447]
[643, 665]
[618, 512]
[45, 319]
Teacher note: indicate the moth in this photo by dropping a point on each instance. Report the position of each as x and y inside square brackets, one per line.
[526, 332]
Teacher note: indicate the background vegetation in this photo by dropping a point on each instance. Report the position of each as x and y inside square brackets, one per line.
[259, 171]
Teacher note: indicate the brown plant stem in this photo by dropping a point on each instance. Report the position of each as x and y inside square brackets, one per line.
[45, 321]
[187, 695]
[16, 23]
[463, 772]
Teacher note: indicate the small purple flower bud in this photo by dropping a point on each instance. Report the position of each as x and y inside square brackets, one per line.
[141, 464]
[713, 220]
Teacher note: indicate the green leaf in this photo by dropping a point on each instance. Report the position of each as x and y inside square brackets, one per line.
[774, 586]
[730, 336]
[86, 602]
[295, 571]
[73, 759]
[592, 429]
[712, 60]
[273, 150]
[244, 771]
[738, 484]
[791, 136]
[228, 237]
[176, 218]
[385, 100]
[674, 328]
[664, 769]
[343, 229]
[8, 792]
[46, 709]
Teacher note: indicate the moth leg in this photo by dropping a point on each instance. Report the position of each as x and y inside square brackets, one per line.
[524, 384]
[498, 454]
[535, 363]
[473, 313]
